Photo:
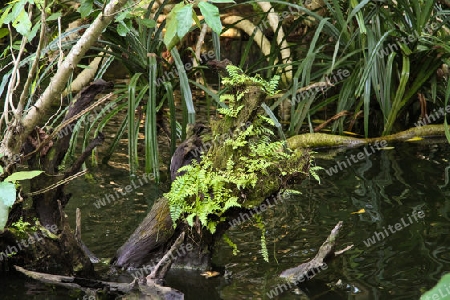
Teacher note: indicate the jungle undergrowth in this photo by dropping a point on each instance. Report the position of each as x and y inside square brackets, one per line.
[204, 193]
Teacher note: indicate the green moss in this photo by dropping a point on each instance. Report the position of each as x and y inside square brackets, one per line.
[242, 169]
[318, 140]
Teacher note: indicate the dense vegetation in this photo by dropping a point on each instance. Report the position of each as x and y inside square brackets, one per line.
[371, 67]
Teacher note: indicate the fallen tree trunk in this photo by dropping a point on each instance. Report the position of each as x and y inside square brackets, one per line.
[323, 140]
[156, 233]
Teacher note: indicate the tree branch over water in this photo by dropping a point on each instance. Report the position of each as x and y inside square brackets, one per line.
[18, 132]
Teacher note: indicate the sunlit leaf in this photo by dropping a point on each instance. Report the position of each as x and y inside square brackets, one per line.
[23, 175]
[361, 211]
[149, 23]
[22, 24]
[171, 37]
[86, 8]
[7, 193]
[54, 16]
[211, 15]
[184, 20]
[440, 290]
[122, 28]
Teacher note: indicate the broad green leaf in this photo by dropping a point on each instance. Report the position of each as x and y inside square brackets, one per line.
[440, 290]
[86, 8]
[22, 23]
[54, 16]
[23, 175]
[222, 1]
[7, 193]
[122, 28]
[4, 213]
[184, 20]
[171, 37]
[3, 32]
[211, 15]
[17, 9]
[3, 18]
[149, 23]
[196, 20]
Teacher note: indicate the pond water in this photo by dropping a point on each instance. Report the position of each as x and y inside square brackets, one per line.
[407, 184]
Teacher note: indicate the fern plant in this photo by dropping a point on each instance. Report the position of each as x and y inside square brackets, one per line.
[208, 189]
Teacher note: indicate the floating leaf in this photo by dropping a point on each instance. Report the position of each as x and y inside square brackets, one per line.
[361, 211]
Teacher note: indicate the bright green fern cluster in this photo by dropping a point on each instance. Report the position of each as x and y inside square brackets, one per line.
[238, 78]
[205, 192]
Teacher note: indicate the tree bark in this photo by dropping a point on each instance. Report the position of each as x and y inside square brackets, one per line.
[19, 130]
[156, 233]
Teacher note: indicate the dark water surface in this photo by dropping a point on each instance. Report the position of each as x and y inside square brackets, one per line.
[389, 185]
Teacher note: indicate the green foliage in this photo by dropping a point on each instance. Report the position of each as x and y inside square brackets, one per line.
[238, 78]
[23, 175]
[22, 227]
[8, 192]
[15, 14]
[205, 192]
[439, 290]
[262, 227]
[231, 244]
[313, 168]
[180, 18]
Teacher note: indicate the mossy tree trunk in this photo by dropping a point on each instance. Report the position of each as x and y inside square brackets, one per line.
[156, 233]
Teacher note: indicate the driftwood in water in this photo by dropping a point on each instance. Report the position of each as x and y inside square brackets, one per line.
[308, 270]
[149, 288]
[63, 254]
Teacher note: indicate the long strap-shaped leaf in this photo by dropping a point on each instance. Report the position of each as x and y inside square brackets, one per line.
[399, 99]
[184, 85]
[151, 138]
[132, 128]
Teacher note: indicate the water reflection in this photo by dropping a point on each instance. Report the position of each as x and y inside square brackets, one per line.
[388, 185]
